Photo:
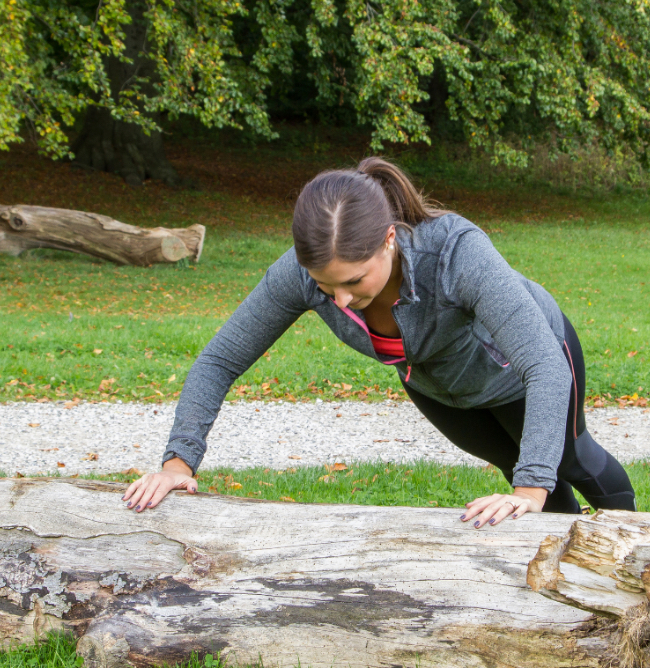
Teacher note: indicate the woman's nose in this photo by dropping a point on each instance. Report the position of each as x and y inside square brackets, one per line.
[342, 298]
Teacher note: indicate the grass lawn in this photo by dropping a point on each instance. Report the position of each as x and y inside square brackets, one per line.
[73, 327]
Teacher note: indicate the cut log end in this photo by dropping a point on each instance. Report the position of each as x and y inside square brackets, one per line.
[173, 249]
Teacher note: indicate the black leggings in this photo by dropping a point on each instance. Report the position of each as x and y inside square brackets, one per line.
[494, 434]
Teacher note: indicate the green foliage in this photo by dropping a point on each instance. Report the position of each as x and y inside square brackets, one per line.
[569, 72]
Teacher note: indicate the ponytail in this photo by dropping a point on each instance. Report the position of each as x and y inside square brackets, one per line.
[408, 204]
[346, 214]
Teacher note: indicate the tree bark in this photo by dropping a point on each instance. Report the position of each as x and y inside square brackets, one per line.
[25, 227]
[111, 145]
[326, 585]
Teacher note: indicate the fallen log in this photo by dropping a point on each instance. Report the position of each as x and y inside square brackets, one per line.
[26, 227]
[323, 585]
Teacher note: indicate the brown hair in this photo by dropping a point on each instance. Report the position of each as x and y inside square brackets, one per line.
[346, 213]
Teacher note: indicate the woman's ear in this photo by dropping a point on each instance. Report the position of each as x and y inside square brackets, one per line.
[390, 238]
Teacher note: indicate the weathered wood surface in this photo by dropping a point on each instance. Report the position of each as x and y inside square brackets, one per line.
[25, 227]
[326, 585]
[601, 565]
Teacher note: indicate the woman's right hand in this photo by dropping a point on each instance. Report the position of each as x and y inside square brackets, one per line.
[152, 488]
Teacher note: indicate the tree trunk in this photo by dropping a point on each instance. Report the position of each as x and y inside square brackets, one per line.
[110, 145]
[323, 585]
[25, 227]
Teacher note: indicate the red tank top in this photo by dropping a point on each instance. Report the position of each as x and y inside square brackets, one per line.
[385, 345]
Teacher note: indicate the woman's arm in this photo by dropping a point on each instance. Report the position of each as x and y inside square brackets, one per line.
[484, 284]
[270, 309]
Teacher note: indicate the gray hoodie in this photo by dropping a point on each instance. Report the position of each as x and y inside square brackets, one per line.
[476, 334]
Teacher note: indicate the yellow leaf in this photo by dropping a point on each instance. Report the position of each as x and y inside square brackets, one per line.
[234, 485]
[98, 351]
[172, 378]
[34, 424]
[287, 498]
[339, 466]
[346, 387]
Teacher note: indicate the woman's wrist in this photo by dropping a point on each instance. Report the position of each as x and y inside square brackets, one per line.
[177, 465]
[536, 494]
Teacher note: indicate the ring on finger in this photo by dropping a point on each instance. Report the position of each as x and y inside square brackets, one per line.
[513, 505]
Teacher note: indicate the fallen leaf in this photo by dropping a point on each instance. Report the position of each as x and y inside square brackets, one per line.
[327, 478]
[613, 421]
[295, 457]
[374, 478]
[132, 471]
[15, 381]
[98, 351]
[118, 327]
[106, 384]
[172, 378]
[266, 484]
[136, 445]
[340, 466]
[60, 465]
[346, 387]
[339, 415]
[381, 440]
[632, 353]
[287, 498]
[34, 424]
[234, 485]
[91, 456]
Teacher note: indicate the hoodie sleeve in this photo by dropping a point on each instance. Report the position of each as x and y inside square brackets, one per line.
[484, 284]
[268, 311]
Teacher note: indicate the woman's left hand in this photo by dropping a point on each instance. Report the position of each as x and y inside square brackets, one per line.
[492, 509]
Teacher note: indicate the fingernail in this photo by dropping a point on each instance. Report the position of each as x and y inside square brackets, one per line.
[129, 504]
[462, 517]
[515, 515]
[137, 507]
[476, 524]
[492, 521]
[149, 504]
[123, 497]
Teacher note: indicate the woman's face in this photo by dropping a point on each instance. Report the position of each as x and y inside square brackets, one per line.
[356, 284]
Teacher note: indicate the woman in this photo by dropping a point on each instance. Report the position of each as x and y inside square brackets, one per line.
[485, 354]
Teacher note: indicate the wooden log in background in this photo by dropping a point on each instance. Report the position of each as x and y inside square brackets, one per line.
[323, 585]
[25, 227]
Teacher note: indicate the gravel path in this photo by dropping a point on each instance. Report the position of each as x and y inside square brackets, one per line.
[105, 438]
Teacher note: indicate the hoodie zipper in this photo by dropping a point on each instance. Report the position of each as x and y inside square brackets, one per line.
[355, 318]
